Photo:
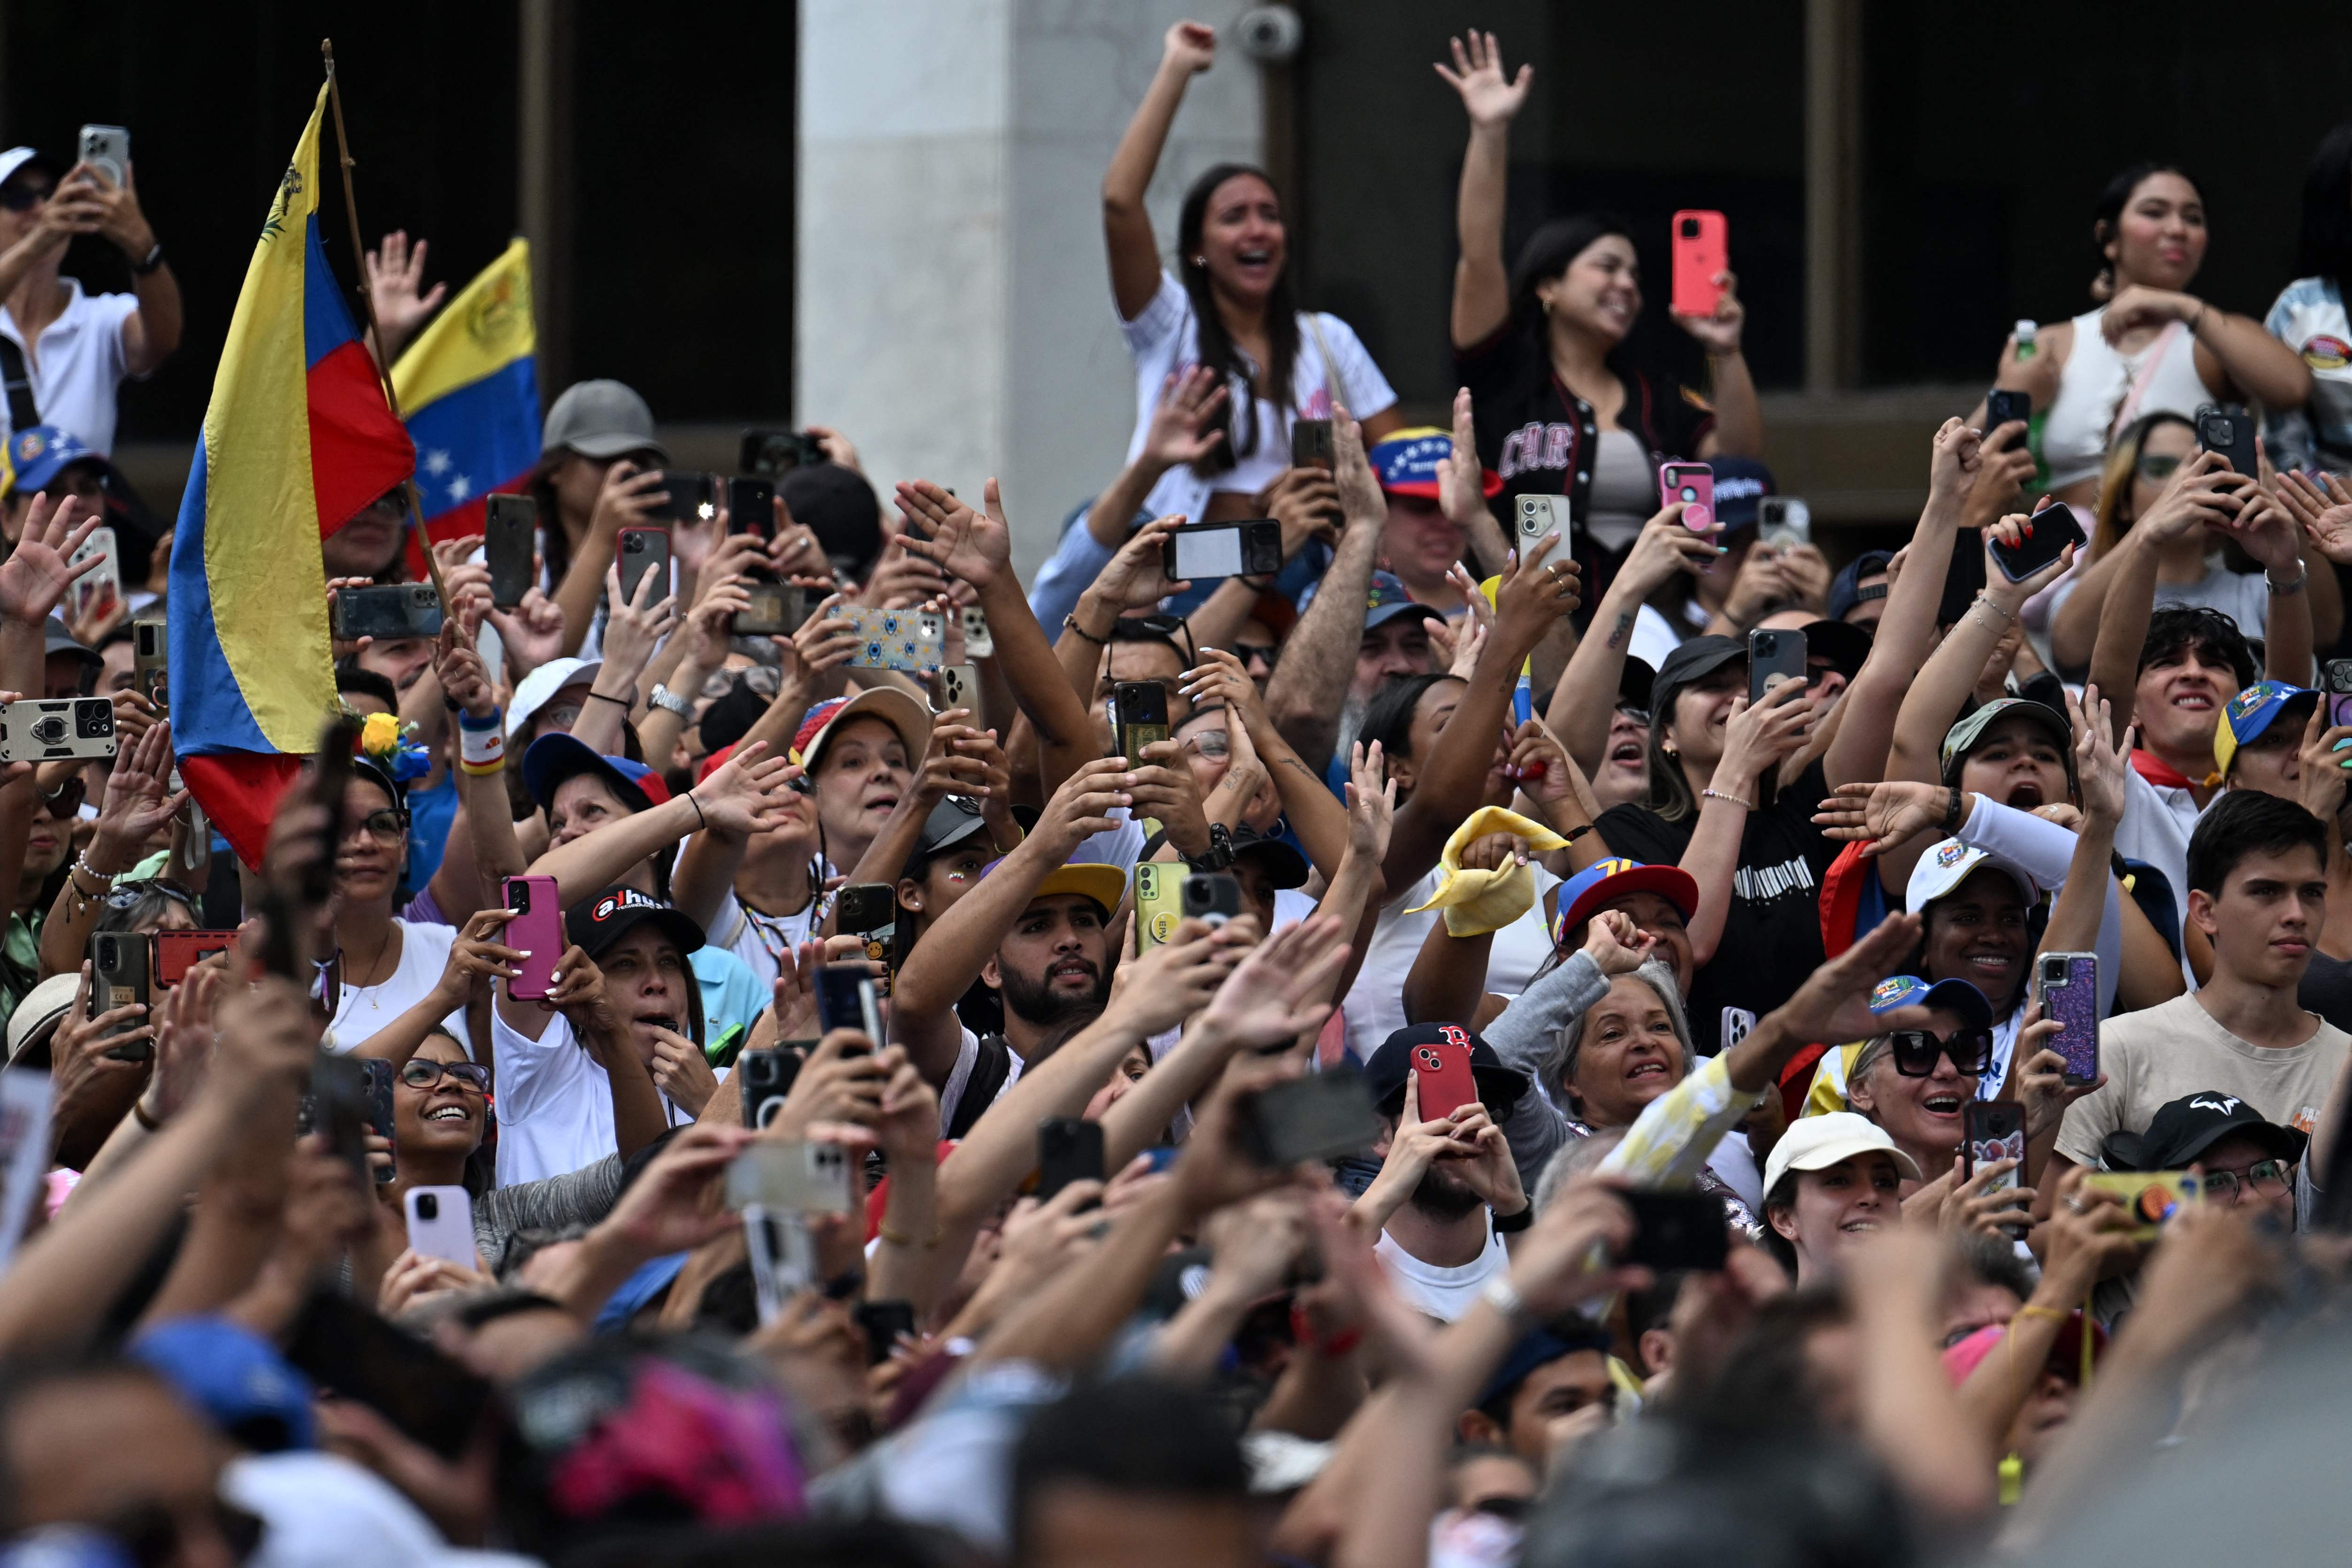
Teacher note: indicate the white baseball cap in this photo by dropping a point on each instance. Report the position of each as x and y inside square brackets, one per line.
[533, 692]
[1817, 1143]
[17, 158]
[1950, 863]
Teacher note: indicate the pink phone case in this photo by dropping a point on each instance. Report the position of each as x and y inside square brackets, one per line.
[538, 930]
[1702, 248]
[1691, 484]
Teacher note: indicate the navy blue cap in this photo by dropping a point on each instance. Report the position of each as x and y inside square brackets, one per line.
[555, 756]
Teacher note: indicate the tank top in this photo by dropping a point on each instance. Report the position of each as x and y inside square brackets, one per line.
[2097, 383]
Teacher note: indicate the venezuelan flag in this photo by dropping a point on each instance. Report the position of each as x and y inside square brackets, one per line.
[297, 439]
[470, 384]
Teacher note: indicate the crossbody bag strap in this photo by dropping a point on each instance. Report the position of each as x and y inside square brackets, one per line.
[16, 378]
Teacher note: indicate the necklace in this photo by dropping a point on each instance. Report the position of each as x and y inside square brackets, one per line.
[369, 987]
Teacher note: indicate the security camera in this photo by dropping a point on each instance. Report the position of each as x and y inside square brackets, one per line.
[1269, 33]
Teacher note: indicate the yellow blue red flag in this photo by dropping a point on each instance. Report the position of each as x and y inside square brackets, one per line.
[298, 439]
[470, 386]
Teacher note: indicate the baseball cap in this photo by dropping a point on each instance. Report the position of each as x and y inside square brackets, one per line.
[39, 455]
[1689, 663]
[55, 639]
[1739, 484]
[32, 1025]
[1845, 587]
[1963, 737]
[535, 689]
[1954, 996]
[595, 923]
[1947, 864]
[839, 508]
[1388, 601]
[1842, 643]
[1583, 893]
[600, 419]
[236, 1377]
[1106, 885]
[2065, 1354]
[2252, 711]
[556, 757]
[1635, 682]
[1538, 1348]
[1281, 859]
[892, 706]
[2183, 1129]
[1500, 1087]
[17, 158]
[1407, 463]
[1817, 1143]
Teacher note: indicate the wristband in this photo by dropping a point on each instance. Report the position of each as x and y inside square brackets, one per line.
[1071, 621]
[150, 262]
[1512, 1224]
[1219, 855]
[1952, 816]
[1302, 1334]
[481, 744]
[1578, 832]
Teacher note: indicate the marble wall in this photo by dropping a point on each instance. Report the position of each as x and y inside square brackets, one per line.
[953, 310]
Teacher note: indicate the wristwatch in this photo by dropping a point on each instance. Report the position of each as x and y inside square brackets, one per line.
[1220, 852]
[150, 262]
[1511, 1224]
[663, 697]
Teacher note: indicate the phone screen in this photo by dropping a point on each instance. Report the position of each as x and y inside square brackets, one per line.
[2051, 529]
[1208, 552]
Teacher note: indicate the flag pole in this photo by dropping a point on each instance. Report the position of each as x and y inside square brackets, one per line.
[375, 333]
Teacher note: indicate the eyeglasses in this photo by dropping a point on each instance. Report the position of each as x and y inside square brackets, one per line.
[2269, 1178]
[2156, 467]
[417, 1072]
[128, 894]
[24, 198]
[558, 715]
[1212, 742]
[385, 827]
[1264, 654]
[1914, 1050]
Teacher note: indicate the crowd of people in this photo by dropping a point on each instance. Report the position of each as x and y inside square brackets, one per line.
[1415, 1051]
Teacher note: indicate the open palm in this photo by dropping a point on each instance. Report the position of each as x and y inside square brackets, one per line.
[963, 543]
[1277, 993]
[1881, 816]
[1487, 96]
[2326, 514]
[34, 580]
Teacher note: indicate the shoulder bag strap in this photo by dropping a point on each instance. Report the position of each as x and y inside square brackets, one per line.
[17, 377]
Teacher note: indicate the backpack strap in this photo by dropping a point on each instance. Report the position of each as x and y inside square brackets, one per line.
[990, 1067]
[16, 378]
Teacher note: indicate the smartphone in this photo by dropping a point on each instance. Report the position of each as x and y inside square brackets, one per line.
[43, 727]
[1318, 1117]
[177, 952]
[1310, 443]
[1068, 1150]
[2230, 432]
[644, 550]
[1159, 902]
[536, 929]
[792, 1179]
[689, 496]
[1213, 896]
[509, 547]
[846, 999]
[1701, 248]
[2067, 985]
[2153, 1199]
[2002, 407]
[766, 1079]
[1784, 519]
[979, 642]
[340, 1110]
[1773, 655]
[1691, 484]
[1539, 516]
[870, 910]
[375, 1108]
[897, 639]
[389, 611]
[121, 966]
[771, 454]
[1252, 547]
[441, 1224]
[884, 1322]
[1447, 1082]
[2336, 680]
[782, 1255]
[99, 590]
[351, 1351]
[1675, 1230]
[1994, 1130]
[751, 509]
[2051, 531]
[150, 661]
[107, 150]
[1142, 708]
[772, 610]
[957, 686]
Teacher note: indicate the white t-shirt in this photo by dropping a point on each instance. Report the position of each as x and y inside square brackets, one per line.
[1443, 1293]
[960, 1077]
[554, 1102]
[1165, 339]
[2158, 821]
[1375, 1003]
[78, 363]
[758, 939]
[365, 1009]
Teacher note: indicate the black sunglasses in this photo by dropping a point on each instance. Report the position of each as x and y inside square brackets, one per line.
[65, 800]
[24, 198]
[1916, 1049]
[1156, 627]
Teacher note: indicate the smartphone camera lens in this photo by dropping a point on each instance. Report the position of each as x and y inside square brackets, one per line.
[518, 897]
[428, 1206]
[107, 954]
[93, 718]
[1690, 229]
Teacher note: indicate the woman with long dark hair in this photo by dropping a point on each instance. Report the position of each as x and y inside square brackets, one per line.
[2149, 345]
[2308, 317]
[1230, 306]
[1563, 407]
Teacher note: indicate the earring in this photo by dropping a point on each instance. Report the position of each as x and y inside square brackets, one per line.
[1201, 261]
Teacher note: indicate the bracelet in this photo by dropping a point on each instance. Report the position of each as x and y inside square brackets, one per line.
[882, 1230]
[625, 705]
[2302, 576]
[1952, 815]
[81, 868]
[663, 697]
[1578, 832]
[139, 1113]
[700, 821]
[1302, 1334]
[1512, 1224]
[2009, 617]
[2053, 1313]
[1499, 1294]
[1220, 852]
[1070, 622]
[150, 262]
[1720, 795]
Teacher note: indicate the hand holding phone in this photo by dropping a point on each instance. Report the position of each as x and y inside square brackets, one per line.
[1702, 252]
[1692, 485]
[2047, 533]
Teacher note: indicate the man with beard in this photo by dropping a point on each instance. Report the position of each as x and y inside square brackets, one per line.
[1037, 931]
[1442, 1177]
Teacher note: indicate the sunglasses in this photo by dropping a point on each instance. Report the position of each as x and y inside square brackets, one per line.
[418, 1074]
[127, 895]
[1264, 654]
[24, 198]
[65, 800]
[1914, 1050]
[2269, 1178]
[1156, 627]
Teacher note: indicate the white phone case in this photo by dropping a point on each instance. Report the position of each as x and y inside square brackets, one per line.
[448, 1231]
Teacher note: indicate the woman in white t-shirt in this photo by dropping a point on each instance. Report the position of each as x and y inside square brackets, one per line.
[1230, 306]
[387, 965]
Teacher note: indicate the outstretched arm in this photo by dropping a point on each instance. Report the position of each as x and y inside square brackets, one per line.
[1319, 661]
[1482, 290]
[1188, 48]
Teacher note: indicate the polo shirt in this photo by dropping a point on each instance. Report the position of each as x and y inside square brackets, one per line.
[78, 364]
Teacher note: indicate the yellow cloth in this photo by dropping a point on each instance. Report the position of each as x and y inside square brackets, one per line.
[1477, 902]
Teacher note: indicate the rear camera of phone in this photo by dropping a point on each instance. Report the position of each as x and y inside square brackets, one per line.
[1690, 229]
[107, 953]
[428, 1206]
[2224, 433]
[93, 718]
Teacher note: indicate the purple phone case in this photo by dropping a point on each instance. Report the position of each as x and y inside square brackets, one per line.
[2075, 1004]
[537, 931]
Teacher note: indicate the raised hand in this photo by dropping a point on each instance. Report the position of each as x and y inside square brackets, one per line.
[972, 546]
[950, 768]
[1360, 499]
[1834, 1001]
[140, 802]
[627, 499]
[2012, 532]
[396, 285]
[2204, 493]
[1662, 549]
[1221, 677]
[826, 640]
[1175, 980]
[681, 1071]
[2041, 1074]
[634, 627]
[1529, 598]
[2137, 304]
[1134, 579]
[1461, 477]
[479, 953]
[665, 1210]
[1758, 738]
[1372, 803]
[2321, 786]
[1306, 502]
[578, 992]
[2325, 515]
[1280, 991]
[1081, 808]
[2100, 767]
[34, 577]
[1718, 334]
[1489, 97]
[464, 679]
[1616, 945]
[741, 795]
[1163, 787]
[1187, 422]
[1190, 47]
[1883, 815]
[531, 632]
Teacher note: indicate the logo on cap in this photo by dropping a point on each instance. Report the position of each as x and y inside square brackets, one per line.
[2250, 699]
[1950, 851]
[1454, 1034]
[613, 902]
[1886, 993]
[2226, 1104]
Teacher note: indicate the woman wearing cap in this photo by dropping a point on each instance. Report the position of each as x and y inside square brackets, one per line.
[599, 472]
[1916, 1083]
[1232, 307]
[1562, 409]
[1833, 1182]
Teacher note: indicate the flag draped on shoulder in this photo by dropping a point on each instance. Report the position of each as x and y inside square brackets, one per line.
[470, 384]
[297, 440]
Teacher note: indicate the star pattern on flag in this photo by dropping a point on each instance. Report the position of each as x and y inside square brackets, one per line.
[436, 464]
[459, 488]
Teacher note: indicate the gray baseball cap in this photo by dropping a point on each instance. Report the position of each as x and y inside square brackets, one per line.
[600, 419]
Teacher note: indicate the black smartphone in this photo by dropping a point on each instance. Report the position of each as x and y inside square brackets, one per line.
[2049, 532]
[1675, 1230]
[770, 453]
[846, 999]
[375, 1099]
[1068, 1150]
[644, 550]
[2336, 680]
[349, 1351]
[767, 1082]
[340, 1109]
[1214, 896]
[2002, 407]
[387, 610]
[120, 973]
[510, 547]
[1318, 1117]
[1252, 547]
[689, 496]
[1964, 577]
[1310, 443]
[1142, 709]
[751, 509]
[283, 910]
[883, 1322]
[870, 910]
[1774, 653]
[2230, 432]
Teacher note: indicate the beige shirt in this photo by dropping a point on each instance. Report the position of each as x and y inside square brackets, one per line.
[2163, 1053]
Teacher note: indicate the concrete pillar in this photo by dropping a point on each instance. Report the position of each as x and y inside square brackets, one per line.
[953, 312]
